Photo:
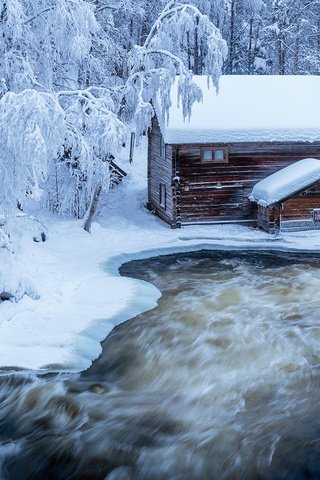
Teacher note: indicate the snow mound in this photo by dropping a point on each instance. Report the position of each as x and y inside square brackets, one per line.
[248, 108]
[286, 182]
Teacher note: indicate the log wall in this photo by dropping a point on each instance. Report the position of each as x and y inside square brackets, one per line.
[268, 218]
[160, 171]
[217, 192]
[302, 212]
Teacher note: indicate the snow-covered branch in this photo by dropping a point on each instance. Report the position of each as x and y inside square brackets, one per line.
[109, 7]
[38, 14]
[167, 47]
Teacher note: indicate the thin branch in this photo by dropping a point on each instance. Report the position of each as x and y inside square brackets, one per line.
[110, 7]
[39, 13]
[80, 93]
[167, 54]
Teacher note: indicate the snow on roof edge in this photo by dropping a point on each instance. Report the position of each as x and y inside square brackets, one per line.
[286, 182]
[248, 108]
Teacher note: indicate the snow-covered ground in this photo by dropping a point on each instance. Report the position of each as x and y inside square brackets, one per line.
[76, 295]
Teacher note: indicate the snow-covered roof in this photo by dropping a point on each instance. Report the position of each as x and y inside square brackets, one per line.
[249, 108]
[286, 182]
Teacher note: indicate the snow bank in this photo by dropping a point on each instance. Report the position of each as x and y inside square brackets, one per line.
[286, 182]
[251, 108]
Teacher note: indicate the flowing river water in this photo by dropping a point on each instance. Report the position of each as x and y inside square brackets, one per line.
[221, 381]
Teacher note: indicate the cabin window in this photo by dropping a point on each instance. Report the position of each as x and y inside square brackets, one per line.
[162, 195]
[214, 154]
[162, 149]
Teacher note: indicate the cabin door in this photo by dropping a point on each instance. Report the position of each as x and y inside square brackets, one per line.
[316, 217]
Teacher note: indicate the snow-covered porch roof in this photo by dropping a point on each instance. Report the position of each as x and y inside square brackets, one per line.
[286, 182]
[255, 108]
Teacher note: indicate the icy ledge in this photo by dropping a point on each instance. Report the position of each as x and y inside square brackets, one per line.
[82, 296]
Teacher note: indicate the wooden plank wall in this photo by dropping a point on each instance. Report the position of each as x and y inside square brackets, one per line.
[159, 171]
[269, 218]
[218, 192]
[301, 206]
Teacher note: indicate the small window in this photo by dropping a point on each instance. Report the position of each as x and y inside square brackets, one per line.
[219, 155]
[162, 195]
[214, 154]
[207, 155]
[162, 149]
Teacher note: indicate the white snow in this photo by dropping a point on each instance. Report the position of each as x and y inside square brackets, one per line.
[75, 295]
[259, 108]
[286, 182]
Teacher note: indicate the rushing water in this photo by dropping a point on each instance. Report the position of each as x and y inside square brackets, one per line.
[221, 381]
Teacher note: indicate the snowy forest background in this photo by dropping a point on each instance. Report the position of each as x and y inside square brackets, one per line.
[76, 76]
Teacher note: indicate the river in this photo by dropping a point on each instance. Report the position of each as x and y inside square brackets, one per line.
[220, 381]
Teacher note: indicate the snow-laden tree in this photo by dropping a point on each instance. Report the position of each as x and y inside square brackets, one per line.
[47, 45]
[292, 37]
[180, 38]
[32, 126]
[94, 135]
[63, 36]
[16, 69]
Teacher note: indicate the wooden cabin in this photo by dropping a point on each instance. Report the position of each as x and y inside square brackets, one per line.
[202, 171]
[289, 200]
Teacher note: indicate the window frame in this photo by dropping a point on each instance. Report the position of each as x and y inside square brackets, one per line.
[162, 148]
[163, 195]
[213, 149]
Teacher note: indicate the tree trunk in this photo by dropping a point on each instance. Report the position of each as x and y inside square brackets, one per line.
[196, 50]
[297, 40]
[232, 38]
[92, 209]
[281, 55]
[250, 49]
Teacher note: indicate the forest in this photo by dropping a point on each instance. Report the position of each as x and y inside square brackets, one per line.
[76, 76]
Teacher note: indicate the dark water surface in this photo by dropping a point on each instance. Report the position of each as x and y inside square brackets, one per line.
[221, 381]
